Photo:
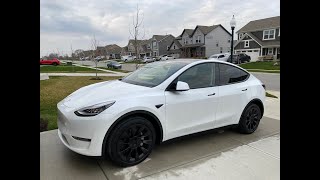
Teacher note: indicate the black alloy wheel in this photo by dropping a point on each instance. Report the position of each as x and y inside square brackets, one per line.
[250, 119]
[131, 142]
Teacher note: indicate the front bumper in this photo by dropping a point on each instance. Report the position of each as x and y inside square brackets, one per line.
[83, 135]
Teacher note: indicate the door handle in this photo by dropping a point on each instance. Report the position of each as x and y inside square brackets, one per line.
[212, 94]
[244, 89]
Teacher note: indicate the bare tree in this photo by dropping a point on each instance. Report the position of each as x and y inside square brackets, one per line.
[72, 58]
[94, 45]
[137, 31]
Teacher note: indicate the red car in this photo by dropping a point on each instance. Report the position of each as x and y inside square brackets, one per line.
[53, 61]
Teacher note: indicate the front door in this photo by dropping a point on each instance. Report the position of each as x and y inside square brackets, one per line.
[193, 110]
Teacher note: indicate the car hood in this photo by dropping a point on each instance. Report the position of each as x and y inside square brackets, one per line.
[101, 92]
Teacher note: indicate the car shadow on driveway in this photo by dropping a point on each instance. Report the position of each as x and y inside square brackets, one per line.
[58, 162]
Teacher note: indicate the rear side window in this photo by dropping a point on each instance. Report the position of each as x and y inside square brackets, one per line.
[229, 74]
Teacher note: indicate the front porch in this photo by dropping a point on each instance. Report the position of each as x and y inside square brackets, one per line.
[190, 51]
[274, 51]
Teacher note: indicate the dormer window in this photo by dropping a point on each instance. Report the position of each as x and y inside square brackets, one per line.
[269, 34]
[174, 46]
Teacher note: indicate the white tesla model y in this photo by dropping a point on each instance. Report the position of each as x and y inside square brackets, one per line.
[125, 118]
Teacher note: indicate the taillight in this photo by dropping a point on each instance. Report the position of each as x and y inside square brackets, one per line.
[264, 86]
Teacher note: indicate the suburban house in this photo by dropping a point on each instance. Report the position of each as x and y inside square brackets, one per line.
[260, 38]
[111, 51]
[142, 48]
[155, 46]
[159, 44]
[203, 41]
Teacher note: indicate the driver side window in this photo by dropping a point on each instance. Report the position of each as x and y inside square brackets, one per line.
[199, 76]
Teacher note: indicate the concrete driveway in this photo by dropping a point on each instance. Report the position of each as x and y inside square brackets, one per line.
[210, 155]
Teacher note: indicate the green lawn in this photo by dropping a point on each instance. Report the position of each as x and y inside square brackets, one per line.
[55, 89]
[65, 69]
[260, 65]
[117, 70]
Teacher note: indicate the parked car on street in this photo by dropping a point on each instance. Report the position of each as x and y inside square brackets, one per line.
[87, 58]
[128, 58]
[124, 119]
[239, 58]
[147, 60]
[166, 57]
[156, 58]
[98, 58]
[220, 57]
[53, 61]
[113, 64]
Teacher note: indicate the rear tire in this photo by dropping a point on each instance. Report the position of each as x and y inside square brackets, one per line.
[54, 64]
[250, 119]
[131, 141]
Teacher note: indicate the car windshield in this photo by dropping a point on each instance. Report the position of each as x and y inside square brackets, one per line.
[153, 74]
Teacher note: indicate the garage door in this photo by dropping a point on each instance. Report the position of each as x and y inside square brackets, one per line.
[254, 54]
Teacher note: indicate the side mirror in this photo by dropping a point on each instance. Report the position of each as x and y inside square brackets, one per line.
[182, 86]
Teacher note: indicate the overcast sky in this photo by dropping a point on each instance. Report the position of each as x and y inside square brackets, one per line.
[66, 22]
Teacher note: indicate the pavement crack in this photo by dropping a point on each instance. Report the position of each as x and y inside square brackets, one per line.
[105, 175]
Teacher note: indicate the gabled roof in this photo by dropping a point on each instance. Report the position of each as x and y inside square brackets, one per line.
[188, 31]
[113, 48]
[206, 29]
[140, 42]
[176, 42]
[267, 23]
[158, 37]
[261, 43]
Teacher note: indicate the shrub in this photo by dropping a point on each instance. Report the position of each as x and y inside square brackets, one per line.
[43, 125]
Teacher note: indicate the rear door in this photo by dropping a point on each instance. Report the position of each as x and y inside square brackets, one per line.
[233, 94]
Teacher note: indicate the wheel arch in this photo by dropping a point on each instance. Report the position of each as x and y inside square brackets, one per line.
[257, 102]
[146, 114]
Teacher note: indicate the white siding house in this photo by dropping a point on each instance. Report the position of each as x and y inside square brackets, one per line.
[217, 41]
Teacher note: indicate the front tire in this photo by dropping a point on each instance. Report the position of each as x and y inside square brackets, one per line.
[250, 119]
[131, 141]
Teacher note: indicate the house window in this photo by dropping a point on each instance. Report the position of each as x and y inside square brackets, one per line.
[240, 35]
[174, 46]
[270, 51]
[279, 32]
[198, 39]
[148, 46]
[154, 44]
[269, 34]
[246, 43]
[221, 49]
[229, 40]
[185, 41]
[217, 44]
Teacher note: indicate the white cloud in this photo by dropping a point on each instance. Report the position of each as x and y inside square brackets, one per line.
[66, 22]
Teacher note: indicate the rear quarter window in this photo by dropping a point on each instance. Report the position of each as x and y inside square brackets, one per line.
[228, 74]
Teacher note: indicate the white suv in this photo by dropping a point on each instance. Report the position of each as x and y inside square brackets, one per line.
[124, 118]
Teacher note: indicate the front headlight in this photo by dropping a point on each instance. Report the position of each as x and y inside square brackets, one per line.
[94, 109]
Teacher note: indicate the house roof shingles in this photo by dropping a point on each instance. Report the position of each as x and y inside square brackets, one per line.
[272, 22]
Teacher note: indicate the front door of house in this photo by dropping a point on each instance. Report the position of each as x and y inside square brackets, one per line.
[278, 53]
